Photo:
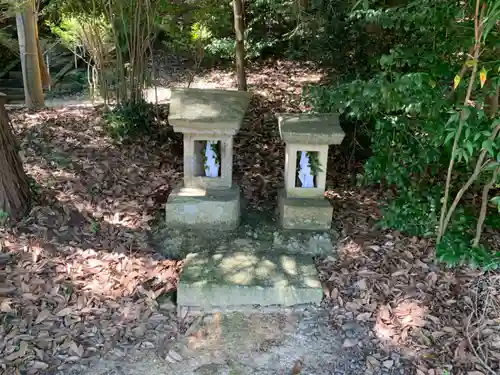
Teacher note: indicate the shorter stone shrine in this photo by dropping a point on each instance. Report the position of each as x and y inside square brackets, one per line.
[208, 119]
[302, 203]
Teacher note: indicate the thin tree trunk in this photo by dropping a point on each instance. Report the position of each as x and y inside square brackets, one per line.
[14, 186]
[239, 29]
[28, 46]
[44, 69]
[484, 207]
[44, 72]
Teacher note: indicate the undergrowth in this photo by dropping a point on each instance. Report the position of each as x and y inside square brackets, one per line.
[129, 120]
[428, 143]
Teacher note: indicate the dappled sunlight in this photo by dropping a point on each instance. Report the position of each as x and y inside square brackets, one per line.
[81, 271]
[218, 334]
[77, 165]
[83, 298]
[192, 192]
[109, 275]
[289, 265]
[390, 283]
[350, 249]
[351, 195]
[82, 261]
[210, 335]
[396, 324]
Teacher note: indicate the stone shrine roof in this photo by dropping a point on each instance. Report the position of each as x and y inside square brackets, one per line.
[203, 110]
[310, 128]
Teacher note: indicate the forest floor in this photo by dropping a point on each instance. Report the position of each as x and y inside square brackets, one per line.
[81, 278]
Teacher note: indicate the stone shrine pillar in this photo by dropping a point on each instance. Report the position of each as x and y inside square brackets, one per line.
[307, 137]
[214, 116]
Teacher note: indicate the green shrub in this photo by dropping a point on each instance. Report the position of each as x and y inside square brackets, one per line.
[414, 212]
[455, 249]
[130, 120]
[411, 112]
[312, 31]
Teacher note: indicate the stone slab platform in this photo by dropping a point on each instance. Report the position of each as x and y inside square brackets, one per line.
[242, 277]
[203, 209]
[304, 213]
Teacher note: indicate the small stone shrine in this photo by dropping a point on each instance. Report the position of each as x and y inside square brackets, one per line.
[302, 203]
[208, 119]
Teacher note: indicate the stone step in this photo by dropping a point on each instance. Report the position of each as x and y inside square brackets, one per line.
[56, 63]
[12, 91]
[244, 277]
[15, 98]
[16, 74]
[11, 82]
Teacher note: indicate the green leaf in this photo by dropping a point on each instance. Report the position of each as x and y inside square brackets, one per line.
[488, 145]
[453, 118]
[491, 19]
[471, 63]
[449, 137]
[469, 147]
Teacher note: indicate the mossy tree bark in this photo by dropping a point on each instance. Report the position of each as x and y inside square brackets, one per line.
[14, 185]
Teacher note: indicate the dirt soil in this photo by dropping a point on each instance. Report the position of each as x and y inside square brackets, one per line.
[84, 289]
[261, 344]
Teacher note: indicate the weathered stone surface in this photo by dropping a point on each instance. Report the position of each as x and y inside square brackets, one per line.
[220, 111]
[308, 128]
[199, 208]
[291, 171]
[206, 115]
[303, 213]
[194, 172]
[246, 277]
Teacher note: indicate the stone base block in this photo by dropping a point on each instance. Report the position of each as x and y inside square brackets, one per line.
[304, 213]
[217, 209]
[223, 281]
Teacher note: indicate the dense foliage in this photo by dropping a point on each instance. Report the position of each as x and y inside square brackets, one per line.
[419, 78]
[129, 120]
[439, 74]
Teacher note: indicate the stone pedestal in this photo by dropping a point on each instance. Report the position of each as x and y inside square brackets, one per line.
[204, 208]
[206, 115]
[246, 277]
[307, 208]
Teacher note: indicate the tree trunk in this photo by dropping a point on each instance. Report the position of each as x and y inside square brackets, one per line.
[239, 29]
[44, 71]
[30, 63]
[14, 186]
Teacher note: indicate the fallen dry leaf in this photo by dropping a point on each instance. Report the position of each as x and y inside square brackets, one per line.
[297, 367]
[82, 263]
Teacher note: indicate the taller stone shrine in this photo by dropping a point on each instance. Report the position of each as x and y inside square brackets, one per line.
[208, 120]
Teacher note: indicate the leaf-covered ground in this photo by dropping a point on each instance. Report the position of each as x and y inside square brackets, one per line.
[80, 276]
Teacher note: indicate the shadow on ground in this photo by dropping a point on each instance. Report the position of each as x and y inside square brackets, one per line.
[82, 277]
